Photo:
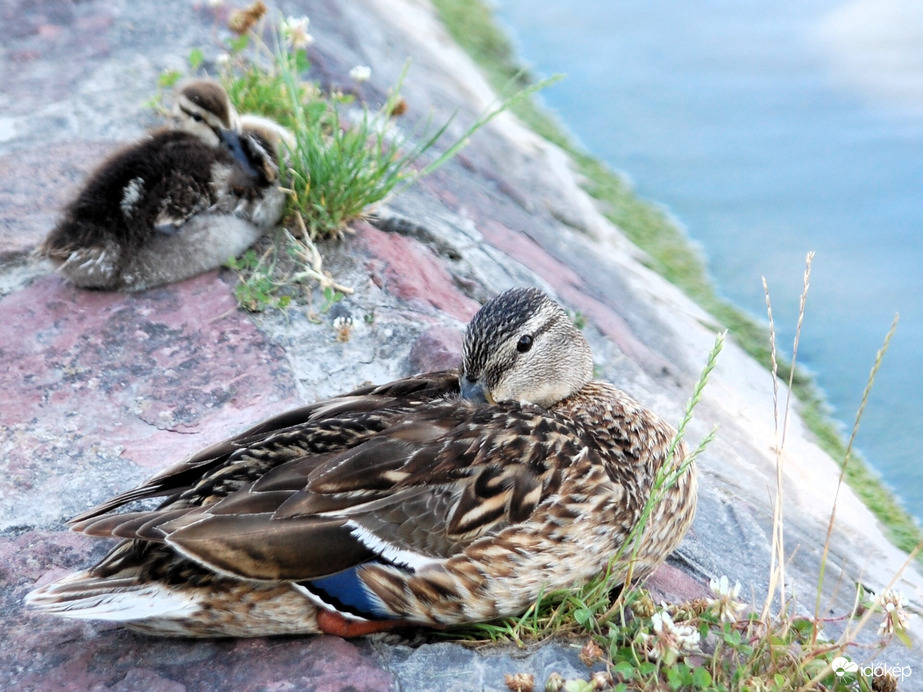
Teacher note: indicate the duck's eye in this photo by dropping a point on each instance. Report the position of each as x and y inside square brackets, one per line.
[198, 118]
[525, 343]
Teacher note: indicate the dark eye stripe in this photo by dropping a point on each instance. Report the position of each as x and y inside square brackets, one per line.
[194, 115]
[545, 326]
[199, 119]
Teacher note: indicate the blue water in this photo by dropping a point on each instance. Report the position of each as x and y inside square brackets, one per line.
[772, 129]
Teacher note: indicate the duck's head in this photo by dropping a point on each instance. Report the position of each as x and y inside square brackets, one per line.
[522, 346]
[202, 108]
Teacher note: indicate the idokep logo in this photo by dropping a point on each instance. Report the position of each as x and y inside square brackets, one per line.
[842, 665]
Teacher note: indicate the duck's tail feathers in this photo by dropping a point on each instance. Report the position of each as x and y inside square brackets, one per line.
[83, 596]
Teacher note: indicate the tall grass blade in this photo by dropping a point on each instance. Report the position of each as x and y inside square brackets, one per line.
[873, 373]
[777, 554]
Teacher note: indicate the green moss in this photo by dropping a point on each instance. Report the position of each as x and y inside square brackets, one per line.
[472, 25]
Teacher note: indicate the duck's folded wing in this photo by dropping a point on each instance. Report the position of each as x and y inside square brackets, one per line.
[185, 195]
[388, 499]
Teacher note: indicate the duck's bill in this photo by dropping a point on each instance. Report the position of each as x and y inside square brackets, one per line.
[231, 140]
[475, 391]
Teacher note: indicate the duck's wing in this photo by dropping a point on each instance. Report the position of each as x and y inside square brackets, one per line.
[187, 186]
[185, 198]
[418, 492]
[322, 427]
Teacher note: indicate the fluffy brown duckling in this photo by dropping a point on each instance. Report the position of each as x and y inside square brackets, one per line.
[178, 203]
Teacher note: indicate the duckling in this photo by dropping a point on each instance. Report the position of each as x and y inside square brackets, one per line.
[176, 204]
[438, 499]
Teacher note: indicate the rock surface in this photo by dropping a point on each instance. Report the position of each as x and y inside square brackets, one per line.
[100, 390]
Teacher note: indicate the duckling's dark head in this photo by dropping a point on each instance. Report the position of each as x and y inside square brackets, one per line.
[522, 346]
[202, 108]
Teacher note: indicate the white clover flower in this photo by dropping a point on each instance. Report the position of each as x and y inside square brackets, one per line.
[669, 640]
[295, 30]
[223, 59]
[726, 605]
[361, 73]
[892, 603]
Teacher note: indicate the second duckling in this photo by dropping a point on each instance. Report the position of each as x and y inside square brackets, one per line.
[177, 204]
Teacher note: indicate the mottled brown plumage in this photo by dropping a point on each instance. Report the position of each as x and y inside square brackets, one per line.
[180, 202]
[402, 503]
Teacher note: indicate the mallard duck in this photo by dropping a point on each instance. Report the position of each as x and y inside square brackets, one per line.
[438, 499]
[178, 203]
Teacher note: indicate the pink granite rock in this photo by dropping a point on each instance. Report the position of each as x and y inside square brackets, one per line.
[438, 348]
[149, 378]
[411, 272]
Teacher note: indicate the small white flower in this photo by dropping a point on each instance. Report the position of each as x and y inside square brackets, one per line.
[361, 73]
[669, 640]
[726, 605]
[223, 59]
[722, 587]
[892, 603]
[295, 30]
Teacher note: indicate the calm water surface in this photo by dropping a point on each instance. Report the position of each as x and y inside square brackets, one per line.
[772, 129]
